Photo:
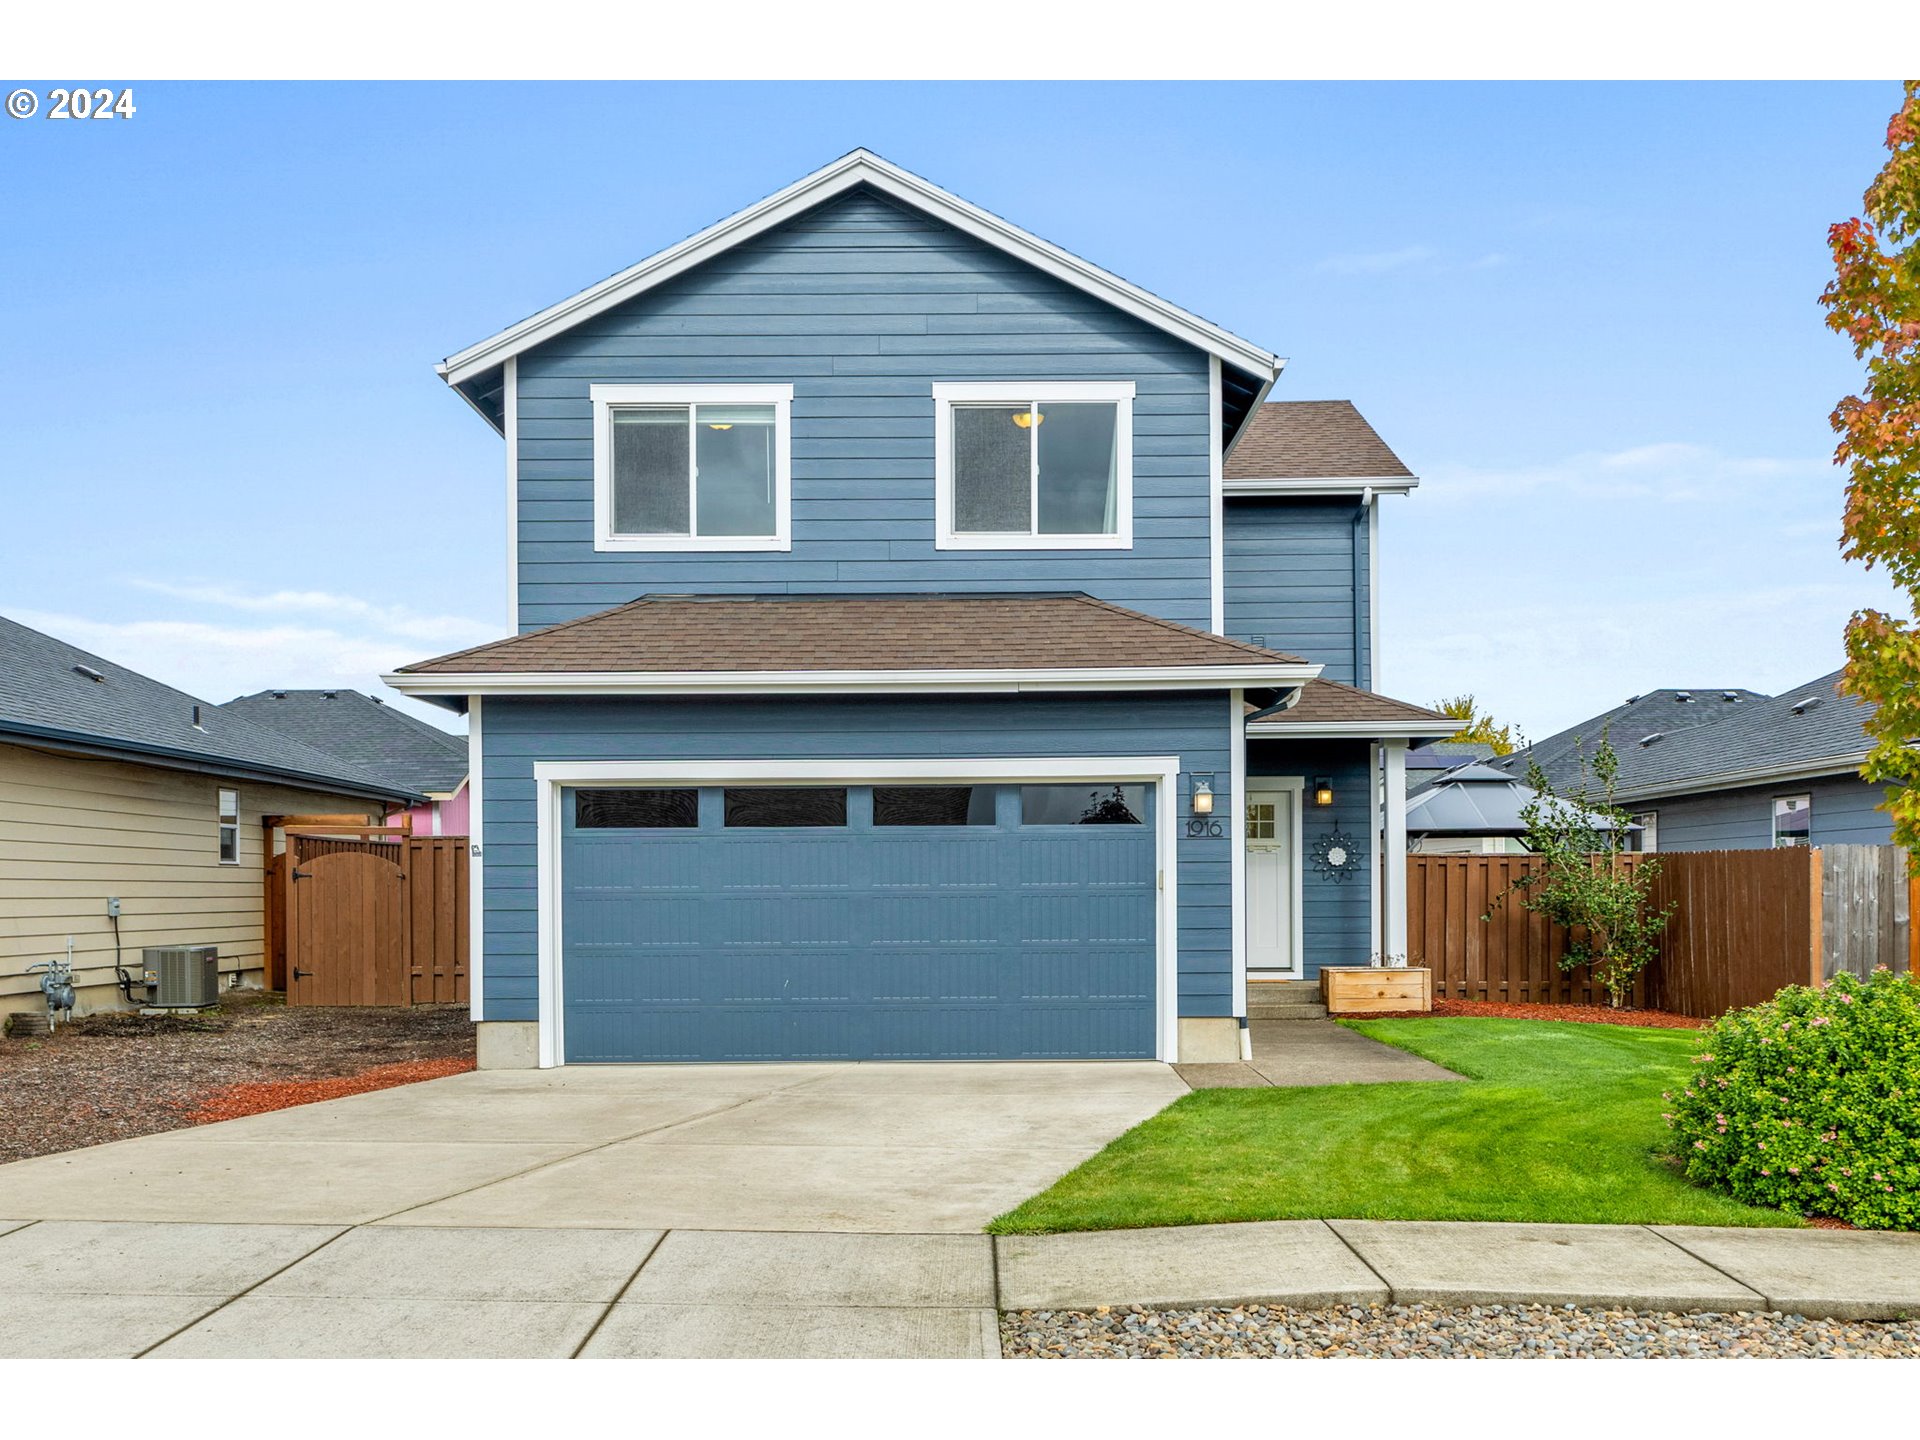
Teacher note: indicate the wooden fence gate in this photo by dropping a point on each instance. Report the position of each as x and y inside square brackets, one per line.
[369, 921]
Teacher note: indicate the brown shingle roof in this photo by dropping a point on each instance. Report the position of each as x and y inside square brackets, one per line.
[1328, 702]
[666, 634]
[1311, 440]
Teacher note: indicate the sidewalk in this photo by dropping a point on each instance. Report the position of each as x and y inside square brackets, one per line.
[97, 1288]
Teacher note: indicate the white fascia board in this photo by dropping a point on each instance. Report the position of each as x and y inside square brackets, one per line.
[1838, 766]
[830, 682]
[862, 167]
[1328, 485]
[1357, 730]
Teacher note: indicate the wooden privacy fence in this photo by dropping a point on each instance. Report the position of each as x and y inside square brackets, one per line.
[368, 921]
[1745, 923]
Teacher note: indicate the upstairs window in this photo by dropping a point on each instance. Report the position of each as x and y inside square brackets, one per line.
[679, 467]
[1034, 467]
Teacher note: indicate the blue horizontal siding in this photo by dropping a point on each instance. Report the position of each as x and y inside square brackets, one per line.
[1845, 812]
[1336, 916]
[518, 732]
[1296, 579]
[862, 305]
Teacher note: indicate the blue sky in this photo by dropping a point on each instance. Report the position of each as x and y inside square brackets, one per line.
[1584, 314]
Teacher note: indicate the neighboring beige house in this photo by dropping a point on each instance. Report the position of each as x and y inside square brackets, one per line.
[116, 787]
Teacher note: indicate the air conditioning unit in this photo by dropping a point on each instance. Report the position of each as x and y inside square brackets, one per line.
[182, 977]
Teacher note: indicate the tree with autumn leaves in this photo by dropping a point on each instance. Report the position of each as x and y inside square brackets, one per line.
[1874, 300]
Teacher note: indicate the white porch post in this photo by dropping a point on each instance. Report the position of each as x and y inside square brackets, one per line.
[1393, 854]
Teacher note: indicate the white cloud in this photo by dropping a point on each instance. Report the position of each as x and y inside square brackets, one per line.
[301, 639]
[1377, 262]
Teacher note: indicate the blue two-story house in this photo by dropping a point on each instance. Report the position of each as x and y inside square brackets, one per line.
[928, 646]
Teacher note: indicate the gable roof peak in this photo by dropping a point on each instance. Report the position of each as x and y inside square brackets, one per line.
[859, 167]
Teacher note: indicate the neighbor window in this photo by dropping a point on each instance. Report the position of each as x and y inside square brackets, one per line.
[1646, 839]
[1792, 820]
[229, 827]
[691, 467]
[1034, 467]
[1083, 804]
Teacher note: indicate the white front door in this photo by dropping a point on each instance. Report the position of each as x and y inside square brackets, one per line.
[1270, 820]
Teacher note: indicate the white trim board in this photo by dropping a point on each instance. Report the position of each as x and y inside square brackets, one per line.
[861, 167]
[1216, 503]
[1236, 818]
[1325, 485]
[552, 777]
[510, 430]
[476, 866]
[828, 682]
[1353, 730]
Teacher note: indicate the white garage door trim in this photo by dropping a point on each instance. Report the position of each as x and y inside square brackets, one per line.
[551, 777]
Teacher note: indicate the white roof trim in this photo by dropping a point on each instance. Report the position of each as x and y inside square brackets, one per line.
[862, 167]
[1355, 730]
[1840, 765]
[824, 682]
[1326, 485]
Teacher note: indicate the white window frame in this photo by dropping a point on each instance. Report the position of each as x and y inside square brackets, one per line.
[608, 398]
[1649, 823]
[1118, 393]
[1806, 803]
[224, 825]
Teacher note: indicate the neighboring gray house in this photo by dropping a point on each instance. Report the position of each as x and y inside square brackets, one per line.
[134, 815]
[372, 736]
[911, 661]
[1720, 769]
[1472, 809]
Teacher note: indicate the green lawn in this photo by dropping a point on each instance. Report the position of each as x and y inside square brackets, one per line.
[1560, 1122]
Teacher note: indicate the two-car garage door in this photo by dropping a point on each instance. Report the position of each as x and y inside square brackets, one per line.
[858, 922]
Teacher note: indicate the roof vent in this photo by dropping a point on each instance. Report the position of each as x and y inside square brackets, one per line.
[327, 694]
[87, 672]
[1633, 699]
[1732, 697]
[1683, 697]
[1653, 739]
[376, 699]
[196, 718]
[1800, 707]
[279, 694]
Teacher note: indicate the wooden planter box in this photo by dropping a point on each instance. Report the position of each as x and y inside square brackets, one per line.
[1363, 989]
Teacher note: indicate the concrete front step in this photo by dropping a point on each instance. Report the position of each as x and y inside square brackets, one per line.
[1285, 1000]
[1286, 1012]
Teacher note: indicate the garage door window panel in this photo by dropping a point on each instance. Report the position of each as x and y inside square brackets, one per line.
[904, 806]
[635, 809]
[1083, 805]
[797, 807]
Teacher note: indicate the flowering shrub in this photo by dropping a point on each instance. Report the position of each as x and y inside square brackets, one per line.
[1811, 1103]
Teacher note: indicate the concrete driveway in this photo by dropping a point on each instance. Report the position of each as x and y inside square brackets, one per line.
[876, 1148]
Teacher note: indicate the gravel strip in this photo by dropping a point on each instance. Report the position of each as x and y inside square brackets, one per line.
[115, 1075]
[1440, 1333]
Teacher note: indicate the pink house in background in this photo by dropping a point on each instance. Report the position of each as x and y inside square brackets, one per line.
[378, 740]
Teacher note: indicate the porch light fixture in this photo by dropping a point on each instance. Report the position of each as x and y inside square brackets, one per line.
[1322, 791]
[1202, 822]
[1203, 795]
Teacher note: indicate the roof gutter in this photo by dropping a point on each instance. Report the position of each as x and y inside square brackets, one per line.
[1353, 730]
[1738, 779]
[1326, 485]
[165, 757]
[838, 682]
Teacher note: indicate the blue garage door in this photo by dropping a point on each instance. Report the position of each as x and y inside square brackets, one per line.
[986, 922]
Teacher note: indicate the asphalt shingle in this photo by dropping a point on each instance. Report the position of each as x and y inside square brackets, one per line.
[365, 732]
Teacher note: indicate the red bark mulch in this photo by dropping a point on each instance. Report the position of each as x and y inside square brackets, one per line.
[1573, 1014]
[232, 1101]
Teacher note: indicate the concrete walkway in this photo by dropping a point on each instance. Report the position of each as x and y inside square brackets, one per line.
[89, 1288]
[1313, 1052]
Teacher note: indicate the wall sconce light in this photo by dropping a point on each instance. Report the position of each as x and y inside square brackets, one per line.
[1322, 791]
[1200, 802]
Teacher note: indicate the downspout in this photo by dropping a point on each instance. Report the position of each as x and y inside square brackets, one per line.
[1361, 586]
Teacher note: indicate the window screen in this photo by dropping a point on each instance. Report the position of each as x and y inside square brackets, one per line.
[625, 809]
[992, 469]
[798, 806]
[651, 475]
[1083, 804]
[933, 805]
[1059, 459]
[693, 470]
[229, 827]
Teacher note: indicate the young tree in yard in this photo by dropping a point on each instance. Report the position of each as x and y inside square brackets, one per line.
[1584, 882]
[1482, 730]
[1874, 300]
